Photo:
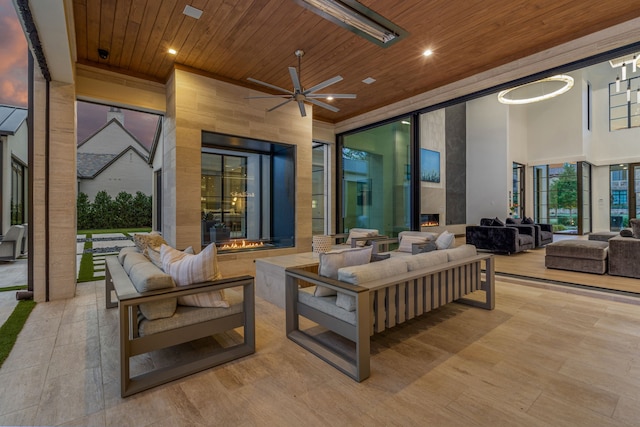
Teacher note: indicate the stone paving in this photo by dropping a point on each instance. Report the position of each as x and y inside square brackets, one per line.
[102, 245]
[15, 273]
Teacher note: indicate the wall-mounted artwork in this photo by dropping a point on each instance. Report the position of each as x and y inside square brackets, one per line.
[429, 165]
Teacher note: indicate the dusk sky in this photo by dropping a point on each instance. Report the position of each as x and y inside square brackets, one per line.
[13, 84]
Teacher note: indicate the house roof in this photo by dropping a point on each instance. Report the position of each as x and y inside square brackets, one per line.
[11, 118]
[91, 165]
[116, 122]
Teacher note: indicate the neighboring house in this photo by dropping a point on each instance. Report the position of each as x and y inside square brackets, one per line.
[113, 160]
[13, 166]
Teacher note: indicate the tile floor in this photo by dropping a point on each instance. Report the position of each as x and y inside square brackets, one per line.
[543, 358]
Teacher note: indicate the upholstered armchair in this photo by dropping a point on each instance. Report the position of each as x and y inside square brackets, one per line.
[499, 238]
[11, 243]
[544, 232]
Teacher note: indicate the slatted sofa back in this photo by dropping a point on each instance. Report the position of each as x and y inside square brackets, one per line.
[380, 305]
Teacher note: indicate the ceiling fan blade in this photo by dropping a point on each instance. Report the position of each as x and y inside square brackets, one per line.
[269, 85]
[323, 105]
[322, 85]
[332, 95]
[303, 112]
[294, 78]
[267, 96]
[280, 105]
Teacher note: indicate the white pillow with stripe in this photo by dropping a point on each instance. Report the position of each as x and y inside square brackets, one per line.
[187, 269]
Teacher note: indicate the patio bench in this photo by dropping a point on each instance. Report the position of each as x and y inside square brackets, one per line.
[178, 325]
[381, 304]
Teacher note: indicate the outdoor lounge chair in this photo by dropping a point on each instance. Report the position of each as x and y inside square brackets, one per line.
[11, 243]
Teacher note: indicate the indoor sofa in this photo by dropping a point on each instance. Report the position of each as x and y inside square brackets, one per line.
[543, 232]
[494, 236]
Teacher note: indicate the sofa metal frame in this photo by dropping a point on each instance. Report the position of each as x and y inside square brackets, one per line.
[131, 344]
[383, 304]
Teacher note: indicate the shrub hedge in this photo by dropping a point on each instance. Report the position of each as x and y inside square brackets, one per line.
[124, 211]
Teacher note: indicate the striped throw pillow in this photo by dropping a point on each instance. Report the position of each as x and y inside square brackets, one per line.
[186, 269]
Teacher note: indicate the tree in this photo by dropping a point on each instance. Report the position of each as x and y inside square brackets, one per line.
[142, 208]
[565, 188]
[85, 217]
[124, 214]
[103, 212]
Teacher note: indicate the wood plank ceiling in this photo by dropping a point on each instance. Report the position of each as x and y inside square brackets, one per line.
[237, 39]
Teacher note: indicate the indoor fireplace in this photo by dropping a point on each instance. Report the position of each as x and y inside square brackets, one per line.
[429, 220]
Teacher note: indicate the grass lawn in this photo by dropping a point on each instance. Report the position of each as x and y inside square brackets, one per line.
[12, 327]
[87, 270]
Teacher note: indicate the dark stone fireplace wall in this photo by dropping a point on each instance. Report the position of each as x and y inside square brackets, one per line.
[456, 163]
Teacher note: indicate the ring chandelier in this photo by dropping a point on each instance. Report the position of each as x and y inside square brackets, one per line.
[568, 84]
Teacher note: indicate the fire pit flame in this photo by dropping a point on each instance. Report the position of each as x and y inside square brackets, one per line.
[235, 244]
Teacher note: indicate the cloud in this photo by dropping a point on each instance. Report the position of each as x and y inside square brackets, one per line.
[13, 51]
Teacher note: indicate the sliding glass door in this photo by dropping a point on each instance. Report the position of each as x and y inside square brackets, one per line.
[625, 194]
[376, 177]
[563, 197]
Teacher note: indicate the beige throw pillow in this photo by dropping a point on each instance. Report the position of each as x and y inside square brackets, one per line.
[187, 269]
[331, 262]
[153, 239]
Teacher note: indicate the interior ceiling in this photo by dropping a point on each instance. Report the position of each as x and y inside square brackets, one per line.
[237, 39]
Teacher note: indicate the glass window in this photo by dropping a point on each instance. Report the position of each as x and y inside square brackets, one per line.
[376, 175]
[624, 111]
[18, 192]
[619, 207]
[319, 189]
[247, 192]
[516, 209]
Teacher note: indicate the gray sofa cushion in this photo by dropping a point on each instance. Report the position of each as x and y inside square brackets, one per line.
[359, 274]
[133, 258]
[425, 260]
[584, 249]
[185, 315]
[147, 277]
[326, 305]
[635, 227]
[124, 251]
[461, 252]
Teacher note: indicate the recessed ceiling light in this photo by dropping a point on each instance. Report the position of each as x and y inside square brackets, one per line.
[172, 51]
[329, 98]
[192, 12]
[369, 80]
[427, 52]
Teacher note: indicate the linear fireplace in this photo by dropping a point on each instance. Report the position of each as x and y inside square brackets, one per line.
[429, 220]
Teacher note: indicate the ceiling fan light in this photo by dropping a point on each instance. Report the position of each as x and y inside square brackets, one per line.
[357, 18]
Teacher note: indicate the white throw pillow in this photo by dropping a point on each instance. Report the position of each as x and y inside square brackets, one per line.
[186, 269]
[331, 262]
[445, 240]
[406, 242]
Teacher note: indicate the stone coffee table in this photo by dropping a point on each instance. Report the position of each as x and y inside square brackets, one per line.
[270, 277]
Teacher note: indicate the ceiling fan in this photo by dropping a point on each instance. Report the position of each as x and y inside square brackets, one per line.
[299, 94]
